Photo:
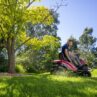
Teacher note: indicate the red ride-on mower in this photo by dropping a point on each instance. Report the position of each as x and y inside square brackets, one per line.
[82, 70]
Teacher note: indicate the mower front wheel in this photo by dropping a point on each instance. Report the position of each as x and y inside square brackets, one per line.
[86, 74]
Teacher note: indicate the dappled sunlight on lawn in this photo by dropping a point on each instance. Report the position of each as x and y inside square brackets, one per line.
[63, 78]
[46, 85]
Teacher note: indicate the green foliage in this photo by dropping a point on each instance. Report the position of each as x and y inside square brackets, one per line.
[87, 43]
[39, 15]
[40, 53]
[37, 53]
[20, 68]
[42, 29]
[14, 15]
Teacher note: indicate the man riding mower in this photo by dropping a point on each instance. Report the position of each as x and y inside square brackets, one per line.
[71, 61]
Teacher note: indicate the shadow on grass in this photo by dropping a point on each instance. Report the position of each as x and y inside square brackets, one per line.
[44, 86]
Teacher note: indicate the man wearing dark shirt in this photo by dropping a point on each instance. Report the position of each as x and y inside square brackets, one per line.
[68, 55]
[66, 50]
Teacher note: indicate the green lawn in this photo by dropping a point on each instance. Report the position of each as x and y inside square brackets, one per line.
[46, 85]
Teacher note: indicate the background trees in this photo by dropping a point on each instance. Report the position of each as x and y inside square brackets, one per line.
[36, 54]
[87, 45]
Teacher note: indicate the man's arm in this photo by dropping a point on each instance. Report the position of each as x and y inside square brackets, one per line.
[67, 54]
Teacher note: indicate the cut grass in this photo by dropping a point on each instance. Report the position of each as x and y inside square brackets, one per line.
[46, 85]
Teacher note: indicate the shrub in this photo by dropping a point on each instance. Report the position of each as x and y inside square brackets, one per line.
[20, 68]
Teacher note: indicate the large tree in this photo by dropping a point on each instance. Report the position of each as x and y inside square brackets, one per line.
[14, 16]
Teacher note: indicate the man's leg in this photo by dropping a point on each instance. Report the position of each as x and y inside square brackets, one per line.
[75, 60]
[78, 61]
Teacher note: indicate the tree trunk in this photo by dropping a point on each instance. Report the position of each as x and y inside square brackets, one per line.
[11, 54]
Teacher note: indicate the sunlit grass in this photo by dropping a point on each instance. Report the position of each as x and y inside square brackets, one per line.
[94, 73]
[46, 85]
